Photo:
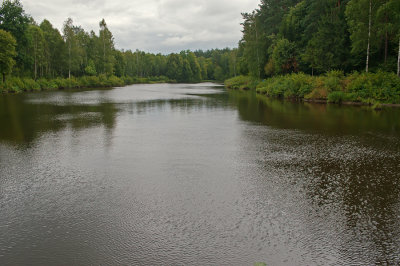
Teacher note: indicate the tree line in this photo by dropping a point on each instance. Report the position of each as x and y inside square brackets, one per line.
[318, 36]
[36, 51]
[280, 37]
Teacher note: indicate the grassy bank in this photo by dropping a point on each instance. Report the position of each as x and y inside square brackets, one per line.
[333, 87]
[16, 85]
[242, 83]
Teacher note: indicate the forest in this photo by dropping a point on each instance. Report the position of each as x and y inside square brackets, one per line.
[329, 50]
[37, 56]
[334, 50]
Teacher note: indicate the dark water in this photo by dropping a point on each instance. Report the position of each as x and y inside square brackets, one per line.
[195, 175]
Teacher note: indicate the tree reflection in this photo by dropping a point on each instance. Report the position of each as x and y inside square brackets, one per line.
[327, 119]
[23, 121]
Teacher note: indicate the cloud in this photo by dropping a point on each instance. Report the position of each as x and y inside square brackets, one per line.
[154, 25]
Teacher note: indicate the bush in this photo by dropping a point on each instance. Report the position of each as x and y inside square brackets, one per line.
[333, 80]
[102, 81]
[242, 82]
[336, 97]
[72, 83]
[333, 86]
[128, 80]
[289, 86]
[381, 86]
[61, 83]
[114, 81]
[43, 84]
[83, 82]
[14, 84]
[93, 81]
[31, 85]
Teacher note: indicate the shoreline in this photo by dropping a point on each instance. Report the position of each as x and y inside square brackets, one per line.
[376, 90]
[9, 92]
[326, 102]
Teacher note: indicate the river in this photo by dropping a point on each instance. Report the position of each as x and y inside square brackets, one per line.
[186, 174]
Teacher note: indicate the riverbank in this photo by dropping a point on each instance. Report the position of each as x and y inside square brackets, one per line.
[376, 89]
[18, 85]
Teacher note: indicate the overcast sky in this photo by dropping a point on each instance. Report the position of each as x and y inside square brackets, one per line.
[152, 25]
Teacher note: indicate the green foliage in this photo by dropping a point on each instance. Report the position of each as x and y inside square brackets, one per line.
[54, 51]
[7, 53]
[14, 20]
[91, 68]
[381, 86]
[47, 84]
[107, 47]
[31, 85]
[333, 80]
[317, 36]
[284, 57]
[289, 86]
[334, 87]
[336, 97]
[43, 53]
[114, 81]
[36, 47]
[254, 44]
[242, 83]
[14, 85]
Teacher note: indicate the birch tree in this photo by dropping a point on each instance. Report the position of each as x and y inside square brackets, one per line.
[36, 44]
[361, 16]
[69, 40]
[107, 47]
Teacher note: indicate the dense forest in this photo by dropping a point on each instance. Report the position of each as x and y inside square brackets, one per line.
[317, 36]
[324, 50]
[39, 56]
[342, 39]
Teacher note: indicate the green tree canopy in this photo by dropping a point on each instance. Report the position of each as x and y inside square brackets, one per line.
[14, 20]
[7, 53]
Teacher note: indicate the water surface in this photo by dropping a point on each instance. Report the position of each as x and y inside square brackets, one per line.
[195, 175]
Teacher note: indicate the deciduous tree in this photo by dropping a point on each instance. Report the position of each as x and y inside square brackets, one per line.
[7, 53]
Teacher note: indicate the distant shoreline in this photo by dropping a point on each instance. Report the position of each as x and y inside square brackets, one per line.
[28, 85]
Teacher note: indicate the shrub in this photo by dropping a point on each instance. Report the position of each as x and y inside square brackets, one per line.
[83, 82]
[43, 84]
[242, 82]
[102, 81]
[336, 97]
[61, 83]
[93, 81]
[31, 85]
[114, 81]
[289, 86]
[128, 80]
[14, 84]
[333, 80]
[380, 86]
[72, 83]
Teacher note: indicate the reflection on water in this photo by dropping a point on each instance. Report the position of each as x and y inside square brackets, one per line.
[23, 122]
[329, 119]
[193, 174]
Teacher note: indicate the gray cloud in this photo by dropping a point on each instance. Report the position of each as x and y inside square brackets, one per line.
[154, 25]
